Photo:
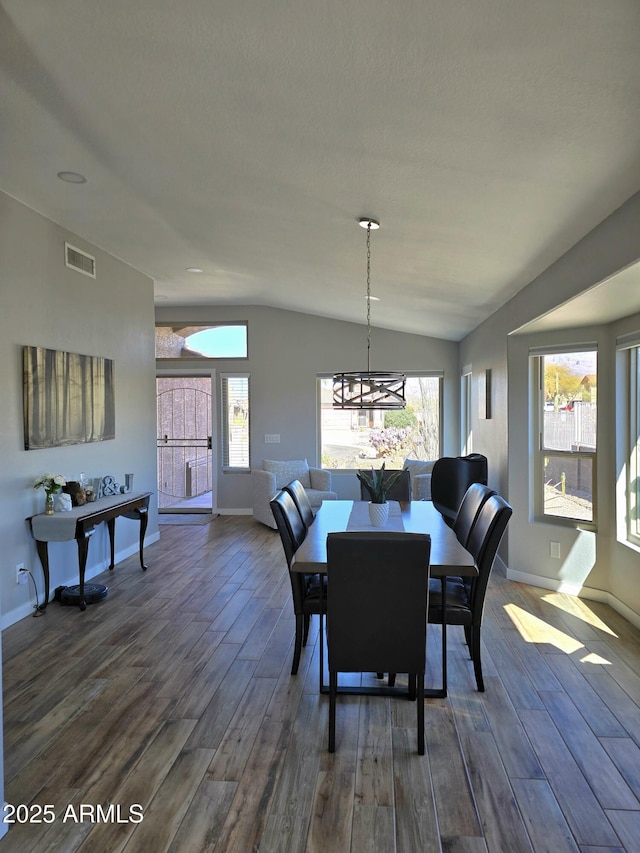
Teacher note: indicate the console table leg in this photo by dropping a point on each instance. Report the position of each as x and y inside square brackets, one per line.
[83, 550]
[111, 524]
[144, 519]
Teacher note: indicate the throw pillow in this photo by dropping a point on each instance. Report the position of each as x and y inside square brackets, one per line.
[286, 471]
[418, 466]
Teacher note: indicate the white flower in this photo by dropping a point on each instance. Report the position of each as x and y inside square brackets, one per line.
[52, 483]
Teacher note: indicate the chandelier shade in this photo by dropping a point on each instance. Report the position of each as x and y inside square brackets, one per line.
[369, 389]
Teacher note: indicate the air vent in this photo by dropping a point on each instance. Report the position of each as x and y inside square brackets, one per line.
[79, 261]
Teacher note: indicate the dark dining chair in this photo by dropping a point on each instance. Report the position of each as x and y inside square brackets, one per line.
[301, 500]
[465, 596]
[400, 491]
[472, 503]
[378, 589]
[305, 589]
[450, 479]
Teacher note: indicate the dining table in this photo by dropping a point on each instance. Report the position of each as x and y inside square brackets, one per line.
[447, 558]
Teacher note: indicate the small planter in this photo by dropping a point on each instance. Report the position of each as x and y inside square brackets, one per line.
[378, 514]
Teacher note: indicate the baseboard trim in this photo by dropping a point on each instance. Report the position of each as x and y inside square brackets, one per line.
[580, 591]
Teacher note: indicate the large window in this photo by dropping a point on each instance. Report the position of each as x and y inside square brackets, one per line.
[566, 383]
[234, 397]
[356, 439]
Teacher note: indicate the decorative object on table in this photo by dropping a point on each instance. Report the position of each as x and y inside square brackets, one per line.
[68, 398]
[109, 486]
[51, 483]
[378, 487]
[366, 389]
[97, 488]
[63, 503]
[76, 491]
[89, 493]
[128, 484]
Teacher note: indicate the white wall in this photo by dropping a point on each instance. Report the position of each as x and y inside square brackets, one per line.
[596, 565]
[46, 304]
[286, 352]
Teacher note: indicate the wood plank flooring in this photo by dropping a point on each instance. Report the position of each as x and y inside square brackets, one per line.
[175, 694]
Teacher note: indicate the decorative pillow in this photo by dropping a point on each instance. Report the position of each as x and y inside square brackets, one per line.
[285, 472]
[417, 466]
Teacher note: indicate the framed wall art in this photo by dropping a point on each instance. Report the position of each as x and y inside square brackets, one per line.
[68, 398]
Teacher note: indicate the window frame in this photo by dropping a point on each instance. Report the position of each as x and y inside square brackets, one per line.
[225, 442]
[628, 439]
[540, 452]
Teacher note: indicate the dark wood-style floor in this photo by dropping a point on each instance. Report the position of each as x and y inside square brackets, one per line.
[175, 694]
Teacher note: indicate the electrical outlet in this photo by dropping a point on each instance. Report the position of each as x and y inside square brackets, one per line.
[20, 573]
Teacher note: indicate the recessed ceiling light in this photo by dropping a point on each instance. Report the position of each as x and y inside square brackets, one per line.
[193, 269]
[72, 177]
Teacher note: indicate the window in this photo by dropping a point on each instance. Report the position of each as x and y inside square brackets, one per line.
[356, 439]
[567, 416]
[629, 432]
[234, 398]
[191, 341]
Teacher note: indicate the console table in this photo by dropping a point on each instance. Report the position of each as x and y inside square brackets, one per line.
[79, 524]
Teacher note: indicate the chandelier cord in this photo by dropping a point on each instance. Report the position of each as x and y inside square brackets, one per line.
[369, 297]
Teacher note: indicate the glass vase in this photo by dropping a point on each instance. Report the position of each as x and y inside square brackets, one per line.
[48, 505]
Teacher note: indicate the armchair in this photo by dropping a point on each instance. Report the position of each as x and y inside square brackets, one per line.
[420, 478]
[274, 475]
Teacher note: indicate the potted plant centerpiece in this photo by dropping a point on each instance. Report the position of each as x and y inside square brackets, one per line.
[378, 488]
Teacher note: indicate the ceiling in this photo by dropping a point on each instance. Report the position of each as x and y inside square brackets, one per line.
[247, 138]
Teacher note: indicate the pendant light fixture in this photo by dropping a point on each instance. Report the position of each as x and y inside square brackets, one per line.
[369, 389]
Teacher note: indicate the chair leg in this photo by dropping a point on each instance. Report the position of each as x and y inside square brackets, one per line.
[333, 688]
[305, 632]
[297, 646]
[412, 678]
[468, 639]
[392, 679]
[420, 702]
[477, 663]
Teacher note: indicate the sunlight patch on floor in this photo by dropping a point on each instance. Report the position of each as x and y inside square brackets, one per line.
[577, 607]
[535, 630]
[593, 658]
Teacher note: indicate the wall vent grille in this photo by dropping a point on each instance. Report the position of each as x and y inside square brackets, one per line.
[79, 261]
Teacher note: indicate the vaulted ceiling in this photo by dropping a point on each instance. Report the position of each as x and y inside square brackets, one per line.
[247, 138]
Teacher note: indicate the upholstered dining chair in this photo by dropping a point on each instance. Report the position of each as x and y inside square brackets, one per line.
[465, 596]
[302, 502]
[305, 589]
[377, 588]
[472, 503]
[400, 491]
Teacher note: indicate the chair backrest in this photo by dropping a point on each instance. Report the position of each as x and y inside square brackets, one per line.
[400, 491]
[377, 596]
[472, 503]
[483, 544]
[290, 527]
[301, 500]
[450, 479]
